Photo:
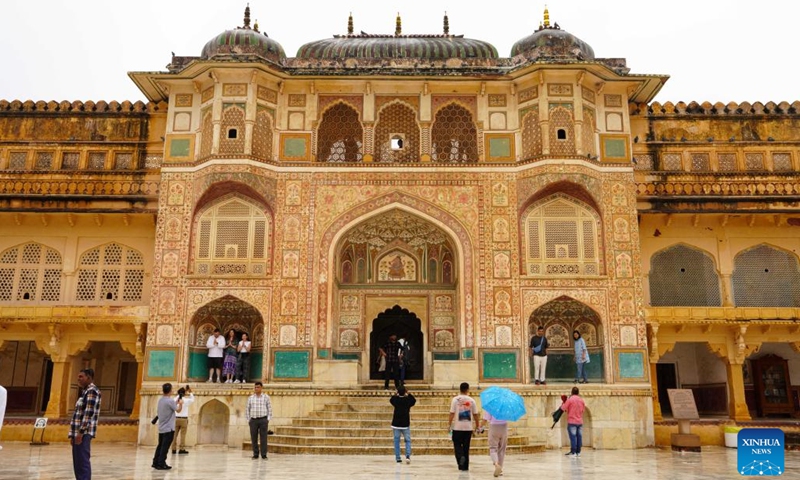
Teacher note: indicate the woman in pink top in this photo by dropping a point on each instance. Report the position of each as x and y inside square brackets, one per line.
[498, 439]
[574, 407]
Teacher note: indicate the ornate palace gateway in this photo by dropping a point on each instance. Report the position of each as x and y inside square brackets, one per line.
[421, 185]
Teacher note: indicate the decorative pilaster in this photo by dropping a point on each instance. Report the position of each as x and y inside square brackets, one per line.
[59, 388]
[737, 405]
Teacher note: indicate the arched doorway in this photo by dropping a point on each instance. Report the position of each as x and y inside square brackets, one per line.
[404, 324]
[225, 313]
[213, 426]
[560, 317]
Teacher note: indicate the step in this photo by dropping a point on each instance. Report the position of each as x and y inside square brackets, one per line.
[383, 441]
[377, 415]
[315, 431]
[365, 423]
[273, 447]
[382, 407]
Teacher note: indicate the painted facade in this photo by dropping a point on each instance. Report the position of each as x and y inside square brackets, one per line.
[320, 201]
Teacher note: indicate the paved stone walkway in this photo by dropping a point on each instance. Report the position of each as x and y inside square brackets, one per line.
[126, 461]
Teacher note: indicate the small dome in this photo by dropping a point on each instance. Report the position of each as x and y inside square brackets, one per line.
[244, 41]
[549, 42]
[369, 47]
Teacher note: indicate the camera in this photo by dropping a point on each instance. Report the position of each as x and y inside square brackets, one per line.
[154, 420]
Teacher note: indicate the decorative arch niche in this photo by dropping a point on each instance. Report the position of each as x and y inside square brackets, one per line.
[560, 317]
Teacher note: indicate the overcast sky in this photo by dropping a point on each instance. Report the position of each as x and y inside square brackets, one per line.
[714, 50]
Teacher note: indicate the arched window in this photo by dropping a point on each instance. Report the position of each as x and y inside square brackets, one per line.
[397, 134]
[454, 136]
[110, 273]
[683, 276]
[262, 135]
[766, 277]
[30, 273]
[561, 238]
[562, 131]
[232, 132]
[233, 238]
[531, 134]
[340, 136]
[206, 134]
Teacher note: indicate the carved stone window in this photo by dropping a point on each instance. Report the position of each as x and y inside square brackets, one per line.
[531, 135]
[232, 133]
[30, 273]
[561, 238]
[683, 276]
[262, 135]
[207, 134]
[111, 273]
[562, 131]
[340, 136]
[765, 276]
[397, 134]
[454, 136]
[233, 238]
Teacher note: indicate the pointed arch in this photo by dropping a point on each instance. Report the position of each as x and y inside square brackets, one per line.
[397, 118]
[531, 133]
[111, 273]
[263, 133]
[766, 276]
[454, 135]
[683, 275]
[562, 131]
[30, 272]
[232, 131]
[340, 134]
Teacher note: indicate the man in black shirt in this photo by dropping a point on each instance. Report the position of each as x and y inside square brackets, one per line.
[401, 422]
[538, 350]
[390, 350]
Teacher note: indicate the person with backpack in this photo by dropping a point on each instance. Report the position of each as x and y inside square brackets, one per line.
[538, 350]
[402, 402]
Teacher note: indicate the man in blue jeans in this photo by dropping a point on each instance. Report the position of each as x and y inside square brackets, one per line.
[401, 421]
[574, 407]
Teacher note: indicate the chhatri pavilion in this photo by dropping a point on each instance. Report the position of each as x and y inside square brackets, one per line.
[423, 185]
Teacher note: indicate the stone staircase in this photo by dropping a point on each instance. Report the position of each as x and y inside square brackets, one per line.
[360, 424]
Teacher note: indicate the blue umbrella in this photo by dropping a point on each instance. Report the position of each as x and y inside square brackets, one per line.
[502, 404]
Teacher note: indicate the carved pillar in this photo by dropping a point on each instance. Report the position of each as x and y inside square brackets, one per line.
[545, 128]
[59, 387]
[425, 140]
[137, 396]
[369, 142]
[727, 290]
[737, 405]
[652, 337]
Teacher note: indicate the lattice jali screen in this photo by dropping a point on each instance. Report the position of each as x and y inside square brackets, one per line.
[671, 162]
[782, 161]
[44, 161]
[727, 162]
[754, 161]
[588, 130]
[17, 160]
[123, 161]
[561, 119]
[70, 160]
[30, 273]
[766, 277]
[454, 136]
[233, 239]
[232, 132]
[111, 273]
[340, 136]
[97, 161]
[701, 162]
[683, 276]
[643, 162]
[397, 119]
[561, 238]
[206, 134]
[531, 134]
[262, 135]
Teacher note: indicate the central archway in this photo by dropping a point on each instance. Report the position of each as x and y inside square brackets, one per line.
[225, 313]
[405, 324]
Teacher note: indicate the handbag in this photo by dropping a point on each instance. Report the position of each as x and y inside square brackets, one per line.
[382, 364]
[538, 348]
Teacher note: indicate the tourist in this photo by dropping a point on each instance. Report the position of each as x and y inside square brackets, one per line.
[215, 345]
[83, 427]
[463, 414]
[581, 357]
[182, 420]
[3, 401]
[229, 364]
[166, 410]
[243, 362]
[401, 421]
[538, 350]
[258, 414]
[390, 351]
[402, 358]
[574, 407]
[498, 439]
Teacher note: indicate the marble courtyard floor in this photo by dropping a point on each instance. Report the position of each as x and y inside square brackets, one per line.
[127, 461]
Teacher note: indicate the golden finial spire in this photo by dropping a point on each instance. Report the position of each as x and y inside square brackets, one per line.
[546, 17]
[247, 16]
[398, 29]
[446, 24]
[350, 24]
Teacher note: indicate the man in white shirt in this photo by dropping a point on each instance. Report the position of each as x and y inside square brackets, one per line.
[182, 420]
[258, 414]
[463, 420]
[216, 346]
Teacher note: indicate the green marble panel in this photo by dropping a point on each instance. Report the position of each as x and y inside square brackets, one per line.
[292, 364]
[499, 147]
[445, 355]
[179, 147]
[561, 366]
[615, 148]
[323, 353]
[499, 365]
[467, 353]
[345, 356]
[294, 147]
[161, 364]
[256, 366]
[198, 364]
[631, 365]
